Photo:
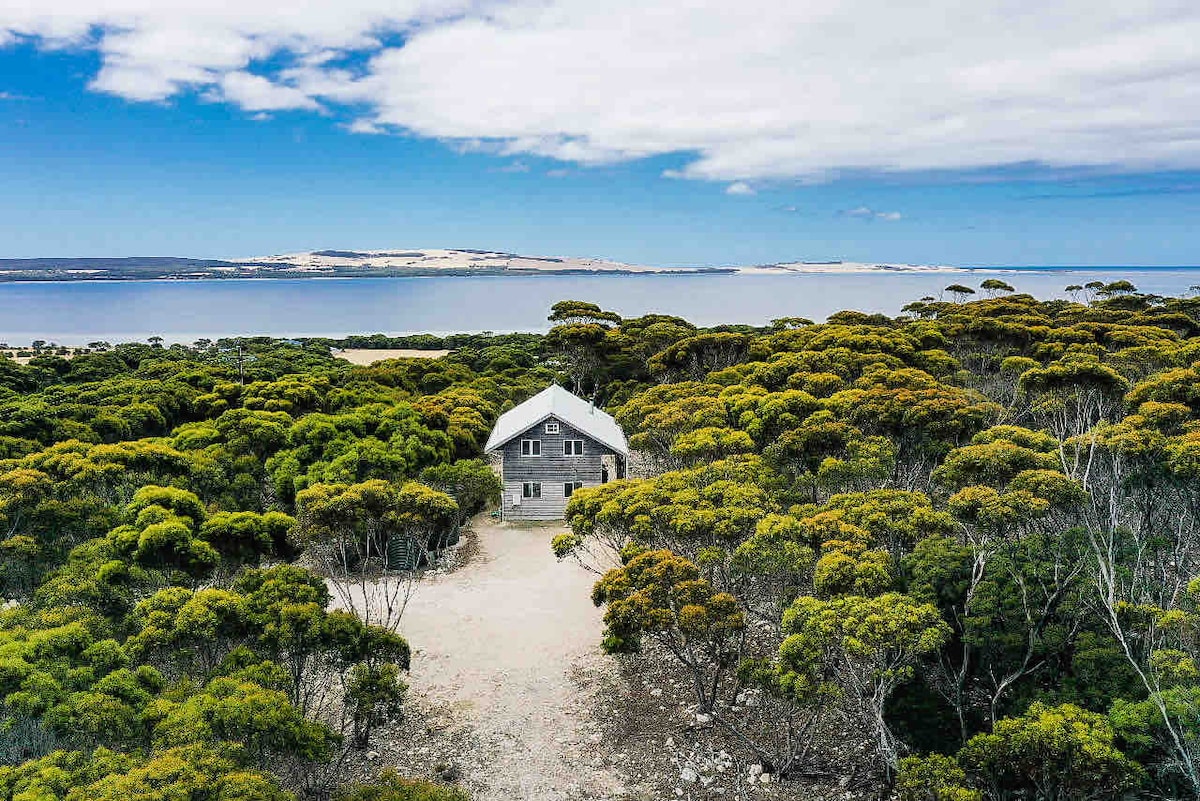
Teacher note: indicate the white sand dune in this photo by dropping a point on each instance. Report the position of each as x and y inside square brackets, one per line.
[458, 261]
[438, 259]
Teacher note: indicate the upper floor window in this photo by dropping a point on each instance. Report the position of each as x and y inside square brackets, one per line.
[551, 427]
[572, 447]
[531, 447]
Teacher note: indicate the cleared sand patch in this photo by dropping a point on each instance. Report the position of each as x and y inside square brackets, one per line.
[15, 354]
[368, 356]
[511, 643]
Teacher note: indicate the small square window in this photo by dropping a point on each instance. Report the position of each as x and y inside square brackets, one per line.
[571, 486]
[551, 428]
[532, 489]
[572, 447]
[531, 447]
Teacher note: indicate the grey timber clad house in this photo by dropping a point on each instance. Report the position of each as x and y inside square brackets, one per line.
[551, 445]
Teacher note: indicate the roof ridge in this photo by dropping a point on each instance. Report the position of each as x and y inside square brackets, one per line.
[556, 400]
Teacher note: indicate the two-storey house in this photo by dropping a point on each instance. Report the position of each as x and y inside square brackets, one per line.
[551, 445]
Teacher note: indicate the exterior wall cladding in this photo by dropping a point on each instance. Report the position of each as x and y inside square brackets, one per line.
[552, 469]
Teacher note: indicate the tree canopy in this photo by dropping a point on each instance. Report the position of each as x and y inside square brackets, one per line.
[952, 554]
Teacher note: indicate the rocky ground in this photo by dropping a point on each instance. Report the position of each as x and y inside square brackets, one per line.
[512, 698]
[659, 740]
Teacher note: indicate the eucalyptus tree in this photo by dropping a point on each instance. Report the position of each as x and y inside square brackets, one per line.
[347, 529]
[992, 286]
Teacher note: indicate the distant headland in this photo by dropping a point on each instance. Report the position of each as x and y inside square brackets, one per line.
[386, 264]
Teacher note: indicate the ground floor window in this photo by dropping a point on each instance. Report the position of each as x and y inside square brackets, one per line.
[532, 489]
[571, 486]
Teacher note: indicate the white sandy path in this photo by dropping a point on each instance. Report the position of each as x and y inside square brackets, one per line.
[503, 641]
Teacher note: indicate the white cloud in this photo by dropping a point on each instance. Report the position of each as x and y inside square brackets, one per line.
[740, 188]
[363, 126]
[256, 93]
[868, 213]
[769, 89]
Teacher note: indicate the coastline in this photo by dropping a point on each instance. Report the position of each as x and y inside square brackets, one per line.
[8, 277]
[409, 263]
[798, 269]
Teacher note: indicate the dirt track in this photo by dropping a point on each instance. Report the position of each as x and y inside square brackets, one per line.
[510, 643]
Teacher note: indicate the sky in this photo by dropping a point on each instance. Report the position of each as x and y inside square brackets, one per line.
[675, 132]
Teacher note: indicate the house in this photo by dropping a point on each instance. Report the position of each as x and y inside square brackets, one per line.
[548, 447]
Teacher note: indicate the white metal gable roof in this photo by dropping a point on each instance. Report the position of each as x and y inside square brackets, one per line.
[554, 401]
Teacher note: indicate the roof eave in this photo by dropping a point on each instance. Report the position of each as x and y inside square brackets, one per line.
[491, 447]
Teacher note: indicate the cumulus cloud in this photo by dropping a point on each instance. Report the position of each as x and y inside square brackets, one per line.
[739, 188]
[256, 93]
[766, 90]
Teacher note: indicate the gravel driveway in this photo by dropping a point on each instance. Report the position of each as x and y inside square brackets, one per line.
[510, 643]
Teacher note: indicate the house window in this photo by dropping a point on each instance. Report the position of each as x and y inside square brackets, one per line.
[551, 428]
[531, 447]
[532, 489]
[571, 486]
[572, 447]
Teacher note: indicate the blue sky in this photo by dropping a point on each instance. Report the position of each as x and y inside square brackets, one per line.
[111, 145]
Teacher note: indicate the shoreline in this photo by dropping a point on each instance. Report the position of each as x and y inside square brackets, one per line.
[189, 339]
[789, 269]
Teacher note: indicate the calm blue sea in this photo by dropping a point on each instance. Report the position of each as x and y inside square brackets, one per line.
[73, 313]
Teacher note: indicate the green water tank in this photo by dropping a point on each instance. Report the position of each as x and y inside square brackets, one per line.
[404, 553]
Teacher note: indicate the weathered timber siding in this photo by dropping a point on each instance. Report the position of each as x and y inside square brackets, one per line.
[552, 469]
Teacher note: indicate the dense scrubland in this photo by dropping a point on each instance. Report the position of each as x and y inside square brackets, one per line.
[948, 555]
[159, 640]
